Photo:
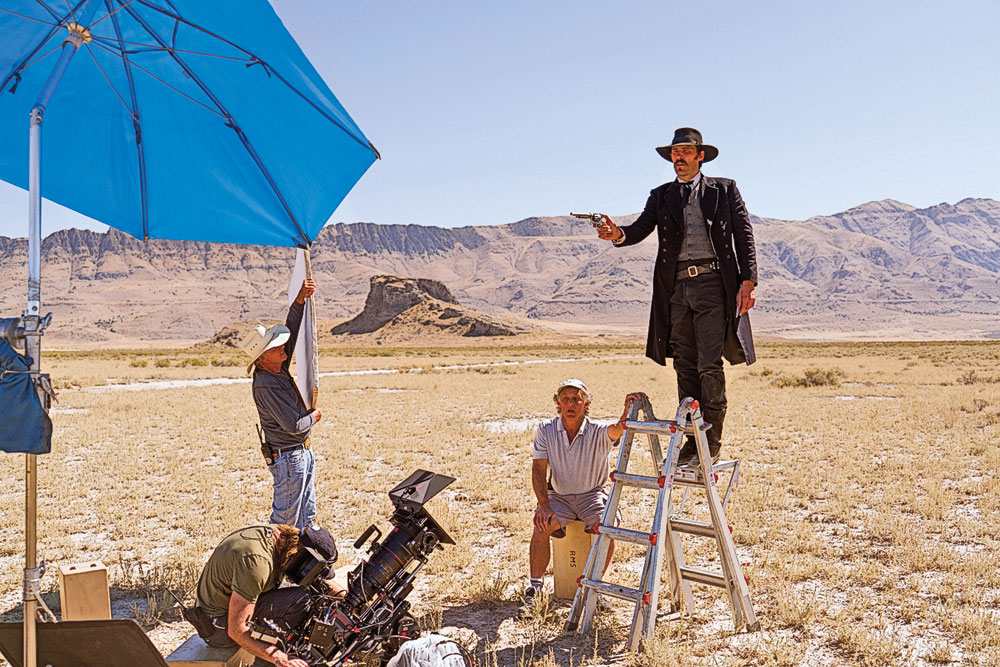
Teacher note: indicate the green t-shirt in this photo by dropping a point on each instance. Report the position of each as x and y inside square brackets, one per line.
[242, 563]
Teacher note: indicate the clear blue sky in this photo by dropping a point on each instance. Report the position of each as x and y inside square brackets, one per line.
[487, 113]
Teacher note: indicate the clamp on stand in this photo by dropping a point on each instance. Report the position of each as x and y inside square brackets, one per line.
[33, 590]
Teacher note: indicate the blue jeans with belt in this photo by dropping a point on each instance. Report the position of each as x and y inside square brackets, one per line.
[294, 490]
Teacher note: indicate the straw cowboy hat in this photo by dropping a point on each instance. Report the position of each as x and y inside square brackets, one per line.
[688, 136]
[259, 340]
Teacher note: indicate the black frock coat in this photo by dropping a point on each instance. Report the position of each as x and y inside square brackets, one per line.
[732, 238]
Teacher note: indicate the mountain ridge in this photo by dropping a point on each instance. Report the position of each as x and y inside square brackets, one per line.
[880, 269]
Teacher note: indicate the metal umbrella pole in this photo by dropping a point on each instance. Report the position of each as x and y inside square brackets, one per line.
[34, 323]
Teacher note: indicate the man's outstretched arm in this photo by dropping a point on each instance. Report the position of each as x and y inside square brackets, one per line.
[615, 430]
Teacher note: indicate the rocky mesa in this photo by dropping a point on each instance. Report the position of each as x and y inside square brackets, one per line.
[399, 309]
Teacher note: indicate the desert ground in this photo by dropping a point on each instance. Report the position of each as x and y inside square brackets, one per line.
[867, 509]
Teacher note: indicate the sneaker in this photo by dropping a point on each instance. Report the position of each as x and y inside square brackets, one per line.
[531, 595]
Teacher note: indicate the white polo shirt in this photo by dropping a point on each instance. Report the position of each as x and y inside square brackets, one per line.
[579, 466]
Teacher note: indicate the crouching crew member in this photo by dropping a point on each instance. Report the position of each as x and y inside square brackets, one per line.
[240, 583]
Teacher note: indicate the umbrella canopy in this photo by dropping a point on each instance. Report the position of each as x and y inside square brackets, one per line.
[178, 119]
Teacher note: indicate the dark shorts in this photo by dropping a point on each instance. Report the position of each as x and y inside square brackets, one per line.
[587, 507]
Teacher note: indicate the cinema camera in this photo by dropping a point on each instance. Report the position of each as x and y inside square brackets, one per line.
[372, 619]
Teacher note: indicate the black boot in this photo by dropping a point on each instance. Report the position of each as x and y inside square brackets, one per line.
[716, 418]
[688, 453]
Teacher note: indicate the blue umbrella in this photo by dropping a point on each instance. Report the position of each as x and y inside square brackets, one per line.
[176, 119]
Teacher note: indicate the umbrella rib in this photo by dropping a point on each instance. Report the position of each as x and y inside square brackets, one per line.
[101, 69]
[158, 49]
[52, 12]
[153, 76]
[43, 56]
[55, 28]
[229, 117]
[111, 12]
[28, 18]
[176, 16]
[138, 131]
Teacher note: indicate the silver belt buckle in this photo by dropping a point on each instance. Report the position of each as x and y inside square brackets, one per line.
[692, 271]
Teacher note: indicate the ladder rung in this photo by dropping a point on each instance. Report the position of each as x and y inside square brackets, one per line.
[687, 476]
[666, 428]
[688, 481]
[614, 590]
[703, 576]
[626, 535]
[642, 481]
[692, 474]
[693, 527]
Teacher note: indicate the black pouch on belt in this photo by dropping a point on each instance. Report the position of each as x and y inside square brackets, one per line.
[197, 617]
[268, 454]
[265, 448]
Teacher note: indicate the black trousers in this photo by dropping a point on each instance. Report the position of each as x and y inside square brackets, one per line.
[284, 607]
[697, 335]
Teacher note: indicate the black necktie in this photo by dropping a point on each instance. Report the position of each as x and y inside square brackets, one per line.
[685, 193]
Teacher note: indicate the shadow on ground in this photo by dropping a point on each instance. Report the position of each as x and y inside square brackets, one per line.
[528, 640]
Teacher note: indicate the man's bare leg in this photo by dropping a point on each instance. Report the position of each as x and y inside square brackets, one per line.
[611, 552]
[539, 551]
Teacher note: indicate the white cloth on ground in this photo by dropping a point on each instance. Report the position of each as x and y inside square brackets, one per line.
[428, 651]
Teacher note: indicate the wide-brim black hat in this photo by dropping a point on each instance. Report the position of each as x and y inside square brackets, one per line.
[688, 136]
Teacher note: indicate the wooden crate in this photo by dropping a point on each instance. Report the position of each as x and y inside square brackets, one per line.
[195, 653]
[569, 557]
[83, 592]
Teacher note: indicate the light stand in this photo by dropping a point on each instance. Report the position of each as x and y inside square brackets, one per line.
[31, 322]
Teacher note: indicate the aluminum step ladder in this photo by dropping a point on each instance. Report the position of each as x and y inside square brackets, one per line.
[667, 526]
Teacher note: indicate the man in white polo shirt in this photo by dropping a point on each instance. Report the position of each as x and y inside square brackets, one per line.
[576, 450]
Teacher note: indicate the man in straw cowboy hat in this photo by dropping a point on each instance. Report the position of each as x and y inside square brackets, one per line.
[285, 421]
[703, 281]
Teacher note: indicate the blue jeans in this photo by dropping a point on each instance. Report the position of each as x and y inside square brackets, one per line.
[294, 491]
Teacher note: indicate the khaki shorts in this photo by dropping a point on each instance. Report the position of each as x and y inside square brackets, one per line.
[587, 507]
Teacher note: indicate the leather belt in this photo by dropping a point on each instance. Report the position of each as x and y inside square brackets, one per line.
[290, 448]
[695, 270]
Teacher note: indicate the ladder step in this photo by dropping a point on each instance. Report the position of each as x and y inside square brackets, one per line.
[688, 476]
[702, 576]
[614, 590]
[702, 528]
[626, 535]
[642, 481]
[660, 428]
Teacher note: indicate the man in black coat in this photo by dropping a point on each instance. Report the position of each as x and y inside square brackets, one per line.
[703, 281]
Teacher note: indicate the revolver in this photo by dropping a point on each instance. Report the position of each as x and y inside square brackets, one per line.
[596, 219]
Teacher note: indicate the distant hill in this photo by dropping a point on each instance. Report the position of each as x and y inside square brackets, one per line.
[407, 309]
[880, 270]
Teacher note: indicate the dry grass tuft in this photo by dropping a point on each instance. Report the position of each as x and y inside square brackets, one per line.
[869, 509]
